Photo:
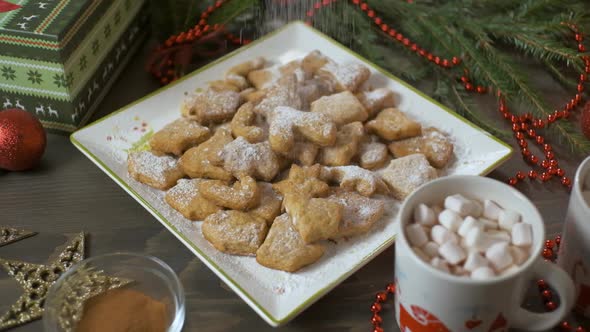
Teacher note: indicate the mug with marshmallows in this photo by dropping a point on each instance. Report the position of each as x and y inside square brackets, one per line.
[468, 248]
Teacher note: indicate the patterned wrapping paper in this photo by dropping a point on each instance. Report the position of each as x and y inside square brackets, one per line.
[58, 58]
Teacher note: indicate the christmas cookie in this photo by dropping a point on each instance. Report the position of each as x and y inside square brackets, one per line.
[238, 73]
[303, 153]
[284, 249]
[341, 108]
[346, 76]
[354, 178]
[404, 175]
[372, 155]
[314, 61]
[285, 122]
[160, 172]
[241, 158]
[214, 105]
[244, 124]
[203, 161]
[235, 232]
[185, 198]
[242, 195]
[179, 136]
[393, 124]
[270, 203]
[433, 143]
[346, 147]
[284, 93]
[376, 100]
[359, 212]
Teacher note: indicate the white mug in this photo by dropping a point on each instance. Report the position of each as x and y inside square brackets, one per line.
[427, 299]
[574, 251]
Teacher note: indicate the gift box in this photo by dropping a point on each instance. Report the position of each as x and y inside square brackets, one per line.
[58, 58]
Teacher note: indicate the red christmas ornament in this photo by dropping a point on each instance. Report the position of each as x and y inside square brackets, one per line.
[22, 140]
[586, 120]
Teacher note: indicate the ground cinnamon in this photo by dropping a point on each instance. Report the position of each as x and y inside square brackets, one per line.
[123, 310]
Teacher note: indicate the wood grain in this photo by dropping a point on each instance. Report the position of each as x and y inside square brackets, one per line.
[68, 194]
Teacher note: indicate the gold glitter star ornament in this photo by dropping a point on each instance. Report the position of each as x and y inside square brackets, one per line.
[36, 279]
[9, 235]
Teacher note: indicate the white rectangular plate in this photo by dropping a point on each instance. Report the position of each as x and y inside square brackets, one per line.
[275, 295]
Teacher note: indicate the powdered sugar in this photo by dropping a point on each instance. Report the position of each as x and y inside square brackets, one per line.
[372, 153]
[152, 166]
[185, 191]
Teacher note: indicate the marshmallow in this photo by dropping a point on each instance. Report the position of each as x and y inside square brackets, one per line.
[522, 234]
[483, 273]
[474, 261]
[519, 255]
[477, 209]
[437, 210]
[498, 236]
[440, 264]
[424, 215]
[430, 249]
[421, 254]
[510, 270]
[416, 235]
[468, 223]
[452, 252]
[499, 256]
[450, 219]
[474, 239]
[491, 210]
[488, 224]
[442, 235]
[459, 271]
[507, 219]
[459, 204]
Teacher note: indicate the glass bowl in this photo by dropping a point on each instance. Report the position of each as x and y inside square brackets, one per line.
[149, 275]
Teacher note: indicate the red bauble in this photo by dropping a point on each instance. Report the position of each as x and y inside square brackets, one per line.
[586, 120]
[22, 140]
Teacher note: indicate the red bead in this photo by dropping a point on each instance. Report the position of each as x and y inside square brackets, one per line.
[587, 69]
[540, 139]
[206, 28]
[565, 326]
[181, 38]
[541, 284]
[545, 163]
[547, 253]
[560, 172]
[547, 147]
[218, 3]
[581, 47]
[317, 5]
[550, 306]
[446, 63]
[549, 154]
[534, 159]
[578, 99]
[580, 329]
[414, 47]
[378, 21]
[540, 123]
[391, 288]
[552, 170]
[364, 7]
[384, 27]
[514, 119]
[464, 79]
[558, 239]
[522, 143]
[533, 174]
[456, 60]
[525, 152]
[547, 295]
[326, 2]
[422, 52]
[376, 319]
[437, 60]
[532, 133]
[377, 329]
[519, 135]
[549, 244]
[551, 118]
[371, 13]
[506, 115]
[524, 126]
[503, 108]
[392, 32]
[512, 181]
[375, 308]
[520, 175]
[566, 181]
[578, 37]
[580, 87]
[202, 22]
[406, 42]
[468, 86]
[381, 297]
[553, 162]
[566, 114]
[356, 2]
[480, 89]
[583, 77]
[210, 9]
[515, 127]
[400, 37]
[545, 177]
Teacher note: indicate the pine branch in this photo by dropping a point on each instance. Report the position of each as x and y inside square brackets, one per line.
[231, 10]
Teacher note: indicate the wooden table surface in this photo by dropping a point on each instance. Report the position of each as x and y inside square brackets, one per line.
[69, 194]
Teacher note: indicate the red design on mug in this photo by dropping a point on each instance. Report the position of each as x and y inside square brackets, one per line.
[472, 323]
[499, 325]
[6, 6]
[419, 320]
